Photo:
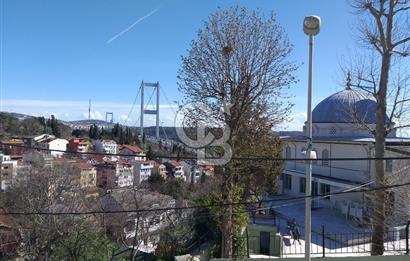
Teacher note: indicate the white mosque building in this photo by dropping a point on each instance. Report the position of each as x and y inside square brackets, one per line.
[336, 134]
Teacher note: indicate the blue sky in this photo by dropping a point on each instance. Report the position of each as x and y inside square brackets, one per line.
[55, 55]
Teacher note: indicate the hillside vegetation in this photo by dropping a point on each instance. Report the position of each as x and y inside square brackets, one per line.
[11, 126]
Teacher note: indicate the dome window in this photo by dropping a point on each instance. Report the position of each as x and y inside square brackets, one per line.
[332, 131]
[325, 157]
[288, 153]
[314, 162]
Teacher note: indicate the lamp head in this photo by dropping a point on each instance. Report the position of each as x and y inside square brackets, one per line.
[311, 25]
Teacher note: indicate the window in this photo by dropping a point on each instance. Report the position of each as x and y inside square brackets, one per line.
[315, 188]
[325, 157]
[288, 182]
[264, 242]
[302, 185]
[301, 154]
[288, 153]
[314, 162]
[389, 165]
[325, 189]
[332, 131]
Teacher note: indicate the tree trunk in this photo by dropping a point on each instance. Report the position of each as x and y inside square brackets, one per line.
[380, 141]
[227, 242]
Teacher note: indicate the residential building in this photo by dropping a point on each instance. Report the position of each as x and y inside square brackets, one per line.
[106, 175]
[8, 171]
[336, 134]
[147, 224]
[132, 153]
[142, 170]
[50, 142]
[175, 169]
[158, 168]
[106, 146]
[59, 146]
[40, 158]
[194, 172]
[88, 175]
[190, 171]
[124, 174]
[163, 171]
[12, 147]
[78, 145]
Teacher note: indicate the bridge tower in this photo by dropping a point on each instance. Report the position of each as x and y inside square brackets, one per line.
[109, 114]
[152, 112]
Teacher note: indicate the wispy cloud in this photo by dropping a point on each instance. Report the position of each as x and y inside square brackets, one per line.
[132, 25]
[75, 104]
[76, 110]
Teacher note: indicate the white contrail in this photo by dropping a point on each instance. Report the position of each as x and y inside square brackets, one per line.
[132, 25]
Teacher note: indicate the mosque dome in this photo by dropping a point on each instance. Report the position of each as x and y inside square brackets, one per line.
[346, 107]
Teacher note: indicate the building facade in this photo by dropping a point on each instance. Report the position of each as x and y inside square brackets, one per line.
[341, 126]
[107, 147]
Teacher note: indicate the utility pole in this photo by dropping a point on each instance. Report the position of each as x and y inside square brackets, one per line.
[311, 27]
[89, 109]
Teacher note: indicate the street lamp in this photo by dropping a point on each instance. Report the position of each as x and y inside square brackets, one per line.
[311, 27]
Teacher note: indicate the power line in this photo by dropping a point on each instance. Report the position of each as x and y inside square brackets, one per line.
[251, 158]
[200, 206]
[170, 104]
[132, 107]
[299, 201]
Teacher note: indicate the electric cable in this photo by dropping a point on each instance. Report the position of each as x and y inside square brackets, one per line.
[251, 158]
[197, 206]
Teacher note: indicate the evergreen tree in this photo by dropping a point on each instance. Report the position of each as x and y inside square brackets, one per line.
[55, 129]
[122, 136]
[136, 140]
[91, 132]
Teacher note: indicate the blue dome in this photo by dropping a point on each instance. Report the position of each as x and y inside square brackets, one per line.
[339, 107]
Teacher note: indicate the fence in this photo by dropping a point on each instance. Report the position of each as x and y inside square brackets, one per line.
[324, 244]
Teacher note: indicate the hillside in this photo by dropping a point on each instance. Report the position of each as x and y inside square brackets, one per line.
[85, 124]
[15, 124]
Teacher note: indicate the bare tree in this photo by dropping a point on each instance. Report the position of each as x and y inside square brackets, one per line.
[384, 32]
[138, 227]
[44, 189]
[240, 62]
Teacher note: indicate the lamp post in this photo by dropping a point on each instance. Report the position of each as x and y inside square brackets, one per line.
[311, 27]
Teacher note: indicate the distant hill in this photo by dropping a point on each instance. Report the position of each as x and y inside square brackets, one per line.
[19, 116]
[16, 124]
[85, 124]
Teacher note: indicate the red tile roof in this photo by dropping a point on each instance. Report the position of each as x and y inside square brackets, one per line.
[12, 141]
[174, 163]
[154, 163]
[134, 149]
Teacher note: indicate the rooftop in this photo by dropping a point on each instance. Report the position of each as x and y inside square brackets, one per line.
[174, 163]
[84, 165]
[134, 149]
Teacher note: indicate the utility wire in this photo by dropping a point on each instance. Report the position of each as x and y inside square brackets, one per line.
[200, 206]
[132, 107]
[170, 104]
[254, 158]
[299, 201]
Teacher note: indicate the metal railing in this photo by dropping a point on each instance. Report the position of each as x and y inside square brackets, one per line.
[395, 242]
[325, 243]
